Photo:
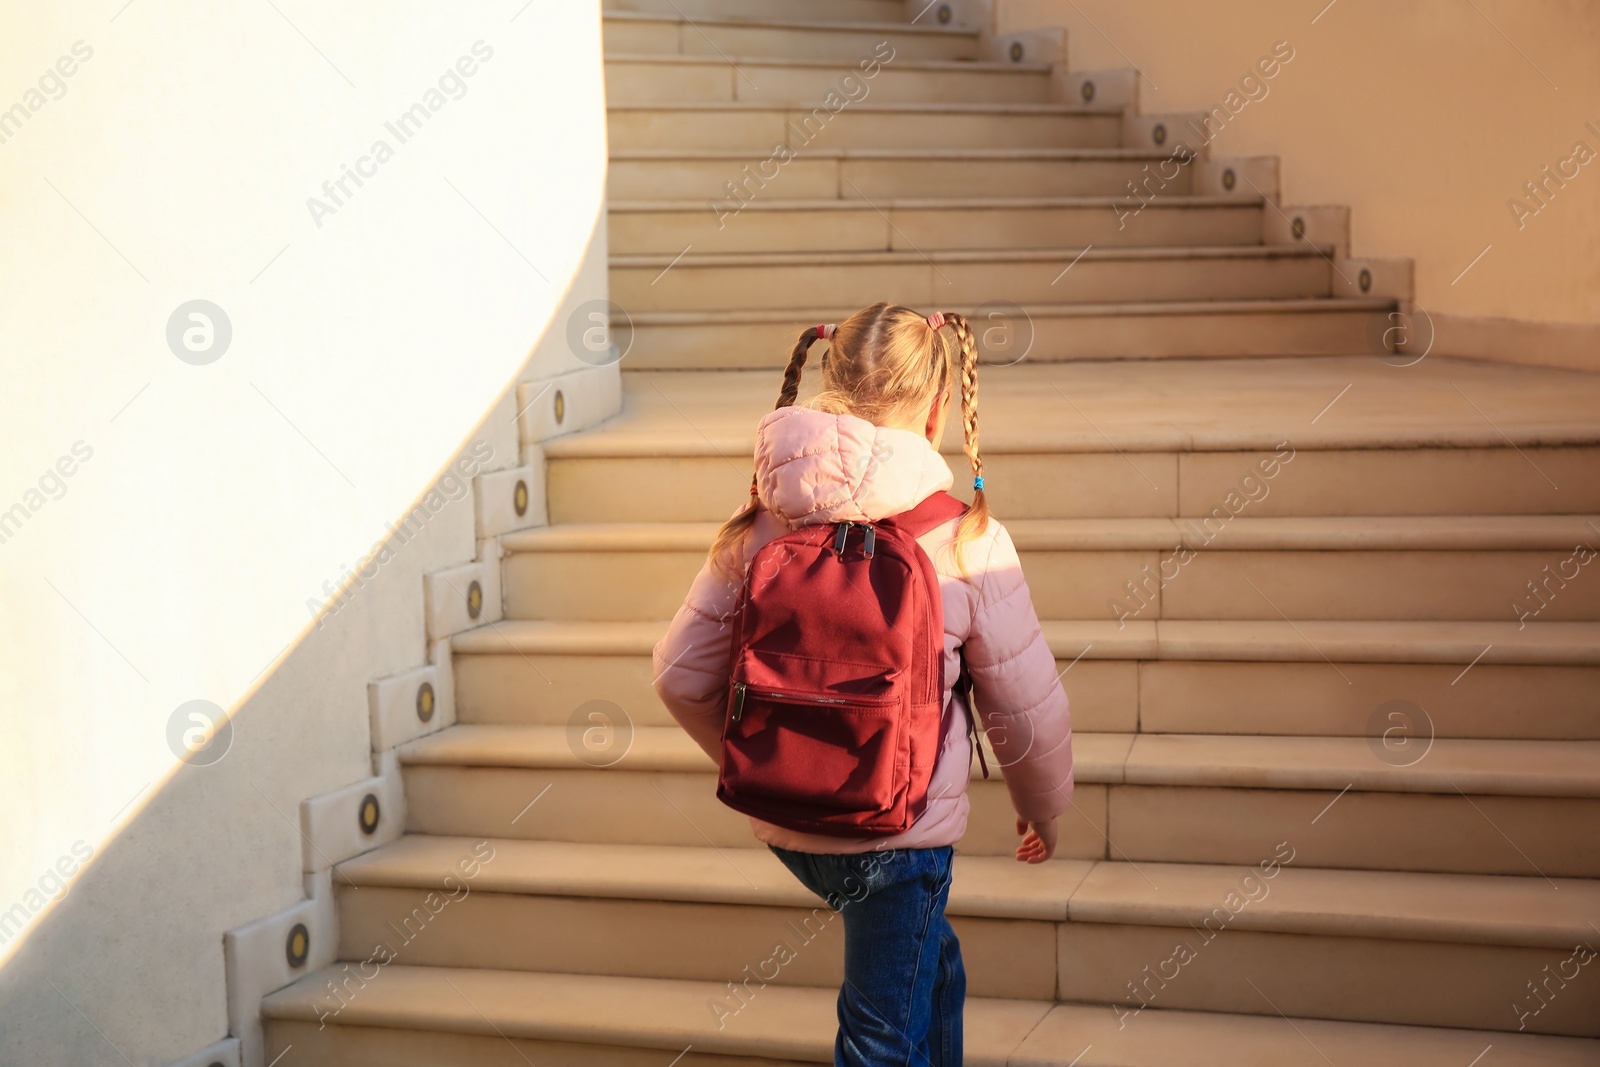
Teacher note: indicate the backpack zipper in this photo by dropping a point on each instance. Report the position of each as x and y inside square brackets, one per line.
[869, 535]
[741, 689]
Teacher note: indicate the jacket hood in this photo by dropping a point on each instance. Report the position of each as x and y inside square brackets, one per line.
[813, 467]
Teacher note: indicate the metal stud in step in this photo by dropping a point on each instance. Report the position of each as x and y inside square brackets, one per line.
[519, 498]
[1229, 180]
[1364, 279]
[425, 701]
[297, 949]
[1298, 228]
[945, 14]
[560, 407]
[474, 600]
[1016, 51]
[369, 814]
[1086, 90]
[1159, 133]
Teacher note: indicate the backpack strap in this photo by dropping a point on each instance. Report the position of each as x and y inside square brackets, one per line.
[933, 512]
[964, 688]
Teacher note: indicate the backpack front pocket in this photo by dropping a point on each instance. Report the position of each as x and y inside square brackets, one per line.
[811, 755]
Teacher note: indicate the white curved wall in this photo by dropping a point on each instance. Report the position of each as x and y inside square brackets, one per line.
[170, 157]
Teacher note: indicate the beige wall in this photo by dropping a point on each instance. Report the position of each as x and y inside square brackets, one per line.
[1420, 116]
[207, 504]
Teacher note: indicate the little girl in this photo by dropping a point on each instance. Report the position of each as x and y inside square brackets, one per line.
[864, 449]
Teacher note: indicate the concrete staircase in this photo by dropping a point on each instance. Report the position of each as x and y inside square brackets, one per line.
[1337, 802]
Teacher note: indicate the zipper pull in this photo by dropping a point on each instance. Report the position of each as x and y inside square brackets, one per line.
[871, 540]
[738, 701]
[840, 538]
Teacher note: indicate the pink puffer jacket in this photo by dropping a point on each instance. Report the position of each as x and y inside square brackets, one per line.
[813, 467]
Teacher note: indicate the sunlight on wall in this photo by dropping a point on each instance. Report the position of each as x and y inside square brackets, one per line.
[1426, 118]
[264, 270]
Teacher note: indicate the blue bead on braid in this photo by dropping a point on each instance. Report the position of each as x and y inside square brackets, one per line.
[977, 484]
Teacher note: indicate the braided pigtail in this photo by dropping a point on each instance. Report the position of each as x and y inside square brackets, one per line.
[797, 362]
[976, 520]
[724, 550]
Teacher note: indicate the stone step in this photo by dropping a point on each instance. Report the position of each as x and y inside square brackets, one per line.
[1442, 950]
[1356, 436]
[1465, 806]
[670, 79]
[644, 284]
[1398, 684]
[826, 10]
[1038, 333]
[571, 784]
[853, 41]
[666, 227]
[616, 488]
[463, 1017]
[755, 129]
[729, 179]
[1412, 568]
[645, 911]
[1556, 769]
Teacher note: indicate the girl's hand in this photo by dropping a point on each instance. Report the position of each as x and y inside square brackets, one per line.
[1040, 842]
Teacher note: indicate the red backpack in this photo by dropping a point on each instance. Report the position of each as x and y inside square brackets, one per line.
[836, 698]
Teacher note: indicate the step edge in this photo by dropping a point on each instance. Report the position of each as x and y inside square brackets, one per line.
[1575, 644]
[1084, 903]
[986, 155]
[1227, 761]
[823, 24]
[784, 24]
[1464, 533]
[1175, 202]
[297, 1003]
[876, 257]
[531, 1019]
[980, 108]
[1262, 305]
[938, 66]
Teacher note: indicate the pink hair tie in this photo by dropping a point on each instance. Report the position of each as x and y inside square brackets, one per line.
[825, 332]
[936, 320]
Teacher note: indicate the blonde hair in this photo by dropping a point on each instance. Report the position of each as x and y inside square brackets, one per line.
[884, 363]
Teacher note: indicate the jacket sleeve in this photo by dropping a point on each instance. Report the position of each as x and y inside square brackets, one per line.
[1018, 695]
[692, 662]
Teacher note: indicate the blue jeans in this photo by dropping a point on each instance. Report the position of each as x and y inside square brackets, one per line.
[904, 985]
